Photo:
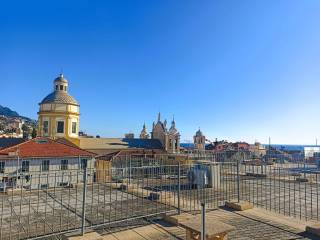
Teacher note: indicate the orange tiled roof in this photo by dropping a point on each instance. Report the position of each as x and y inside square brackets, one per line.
[45, 147]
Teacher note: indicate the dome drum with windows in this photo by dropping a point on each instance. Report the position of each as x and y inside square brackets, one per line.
[59, 113]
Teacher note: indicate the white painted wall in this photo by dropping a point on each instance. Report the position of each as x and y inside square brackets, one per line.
[36, 178]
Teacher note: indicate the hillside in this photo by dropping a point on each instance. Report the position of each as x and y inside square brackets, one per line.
[8, 112]
[12, 124]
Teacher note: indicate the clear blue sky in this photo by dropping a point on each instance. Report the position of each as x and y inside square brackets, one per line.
[241, 70]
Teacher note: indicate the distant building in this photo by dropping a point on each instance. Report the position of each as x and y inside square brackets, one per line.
[241, 146]
[129, 135]
[170, 139]
[219, 146]
[162, 141]
[199, 141]
[316, 157]
[309, 152]
[144, 133]
[42, 163]
[59, 113]
[312, 153]
[103, 146]
[258, 149]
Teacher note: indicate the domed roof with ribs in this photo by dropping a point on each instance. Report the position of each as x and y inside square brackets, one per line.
[59, 97]
[60, 94]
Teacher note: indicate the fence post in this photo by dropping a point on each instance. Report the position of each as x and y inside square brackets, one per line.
[179, 187]
[130, 169]
[238, 180]
[83, 224]
[203, 221]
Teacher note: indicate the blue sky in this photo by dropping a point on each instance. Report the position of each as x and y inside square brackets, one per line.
[241, 70]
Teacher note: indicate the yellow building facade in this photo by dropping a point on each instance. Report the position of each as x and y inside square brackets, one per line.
[59, 113]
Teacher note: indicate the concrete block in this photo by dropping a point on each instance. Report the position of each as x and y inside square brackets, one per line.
[301, 179]
[123, 187]
[177, 219]
[87, 236]
[314, 229]
[139, 192]
[154, 196]
[15, 191]
[239, 206]
[256, 175]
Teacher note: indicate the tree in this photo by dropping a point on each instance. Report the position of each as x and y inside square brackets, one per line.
[25, 128]
[25, 131]
[34, 133]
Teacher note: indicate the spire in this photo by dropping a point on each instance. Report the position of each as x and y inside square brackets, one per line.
[159, 117]
[173, 130]
[173, 123]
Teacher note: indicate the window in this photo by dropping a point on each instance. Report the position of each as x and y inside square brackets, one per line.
[83, 163]
[65, 88]
[61, 87]
[74, 127]
[2, 165]
[64, 164]
[45, 126]
[60, 127]
[25, 166]
[57, 87]
[45, 166]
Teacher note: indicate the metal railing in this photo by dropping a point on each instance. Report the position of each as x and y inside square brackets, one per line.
[289, 189]
[52, 203]
[55, 202]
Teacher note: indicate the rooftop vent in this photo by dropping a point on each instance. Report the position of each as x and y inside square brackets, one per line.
[41, 141]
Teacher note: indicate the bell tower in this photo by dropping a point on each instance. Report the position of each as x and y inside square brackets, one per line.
[199, 141]
[144, 134]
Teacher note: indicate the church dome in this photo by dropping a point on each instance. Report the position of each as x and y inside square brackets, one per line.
[59, 97]
[60, 93]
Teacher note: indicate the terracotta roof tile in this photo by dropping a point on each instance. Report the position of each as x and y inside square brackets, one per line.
[45, 147]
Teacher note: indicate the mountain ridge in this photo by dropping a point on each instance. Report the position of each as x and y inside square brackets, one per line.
[7, 112]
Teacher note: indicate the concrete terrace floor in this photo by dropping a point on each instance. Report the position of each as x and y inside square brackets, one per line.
[249, 224]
